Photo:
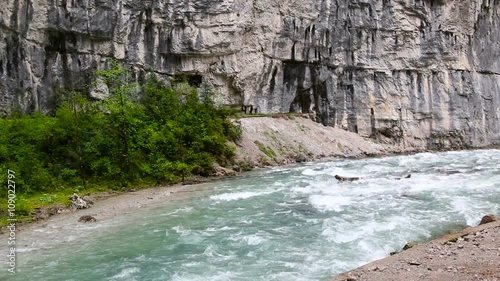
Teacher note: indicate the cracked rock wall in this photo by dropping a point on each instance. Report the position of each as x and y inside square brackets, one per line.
[419, 73]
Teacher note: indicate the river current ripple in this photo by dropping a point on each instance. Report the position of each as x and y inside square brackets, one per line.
[287, 223]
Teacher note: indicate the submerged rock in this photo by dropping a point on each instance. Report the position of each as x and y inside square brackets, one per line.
[86, 219]
[407, 177]
[340, 178]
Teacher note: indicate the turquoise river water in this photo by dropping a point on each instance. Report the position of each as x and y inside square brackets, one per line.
[287, 223]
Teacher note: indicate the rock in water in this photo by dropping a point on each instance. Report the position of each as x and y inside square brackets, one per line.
[339, 178]
[407, 177]
[487, 219]
[87, 219]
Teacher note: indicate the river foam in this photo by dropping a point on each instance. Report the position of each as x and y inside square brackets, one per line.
[293, 223]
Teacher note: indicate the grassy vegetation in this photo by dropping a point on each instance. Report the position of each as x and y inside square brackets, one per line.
[301, 126]
[272, 136]
[165, 136]
[269, 152]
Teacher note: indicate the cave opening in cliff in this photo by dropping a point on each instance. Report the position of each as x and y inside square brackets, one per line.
[434, 3]
[302, 101]
[193, 79]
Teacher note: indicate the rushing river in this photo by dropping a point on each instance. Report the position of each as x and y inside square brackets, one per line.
[288, 223]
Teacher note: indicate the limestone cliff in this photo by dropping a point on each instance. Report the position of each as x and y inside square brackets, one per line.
[421, 73]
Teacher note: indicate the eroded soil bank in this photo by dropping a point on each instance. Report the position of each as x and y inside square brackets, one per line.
[271, 141]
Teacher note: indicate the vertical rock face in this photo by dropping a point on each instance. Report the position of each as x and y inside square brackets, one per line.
[423, 73]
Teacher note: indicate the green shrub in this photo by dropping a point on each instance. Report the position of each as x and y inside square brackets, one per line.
[167, 135]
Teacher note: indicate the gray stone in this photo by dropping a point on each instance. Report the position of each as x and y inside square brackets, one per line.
[100, 90]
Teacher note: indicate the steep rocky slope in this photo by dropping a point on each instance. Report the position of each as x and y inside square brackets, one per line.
[276, 141]
[419, 72]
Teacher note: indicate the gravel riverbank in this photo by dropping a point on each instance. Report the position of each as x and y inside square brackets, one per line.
[471, 254]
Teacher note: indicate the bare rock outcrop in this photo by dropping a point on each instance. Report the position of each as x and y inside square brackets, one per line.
[416, 73]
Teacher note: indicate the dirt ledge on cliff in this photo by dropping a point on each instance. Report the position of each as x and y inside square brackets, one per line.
[471, 254]
[271, 141]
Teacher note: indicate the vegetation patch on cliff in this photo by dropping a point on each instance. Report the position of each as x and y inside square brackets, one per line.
[269, 152]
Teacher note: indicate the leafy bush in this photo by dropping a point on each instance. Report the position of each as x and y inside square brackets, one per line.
[166, 135]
